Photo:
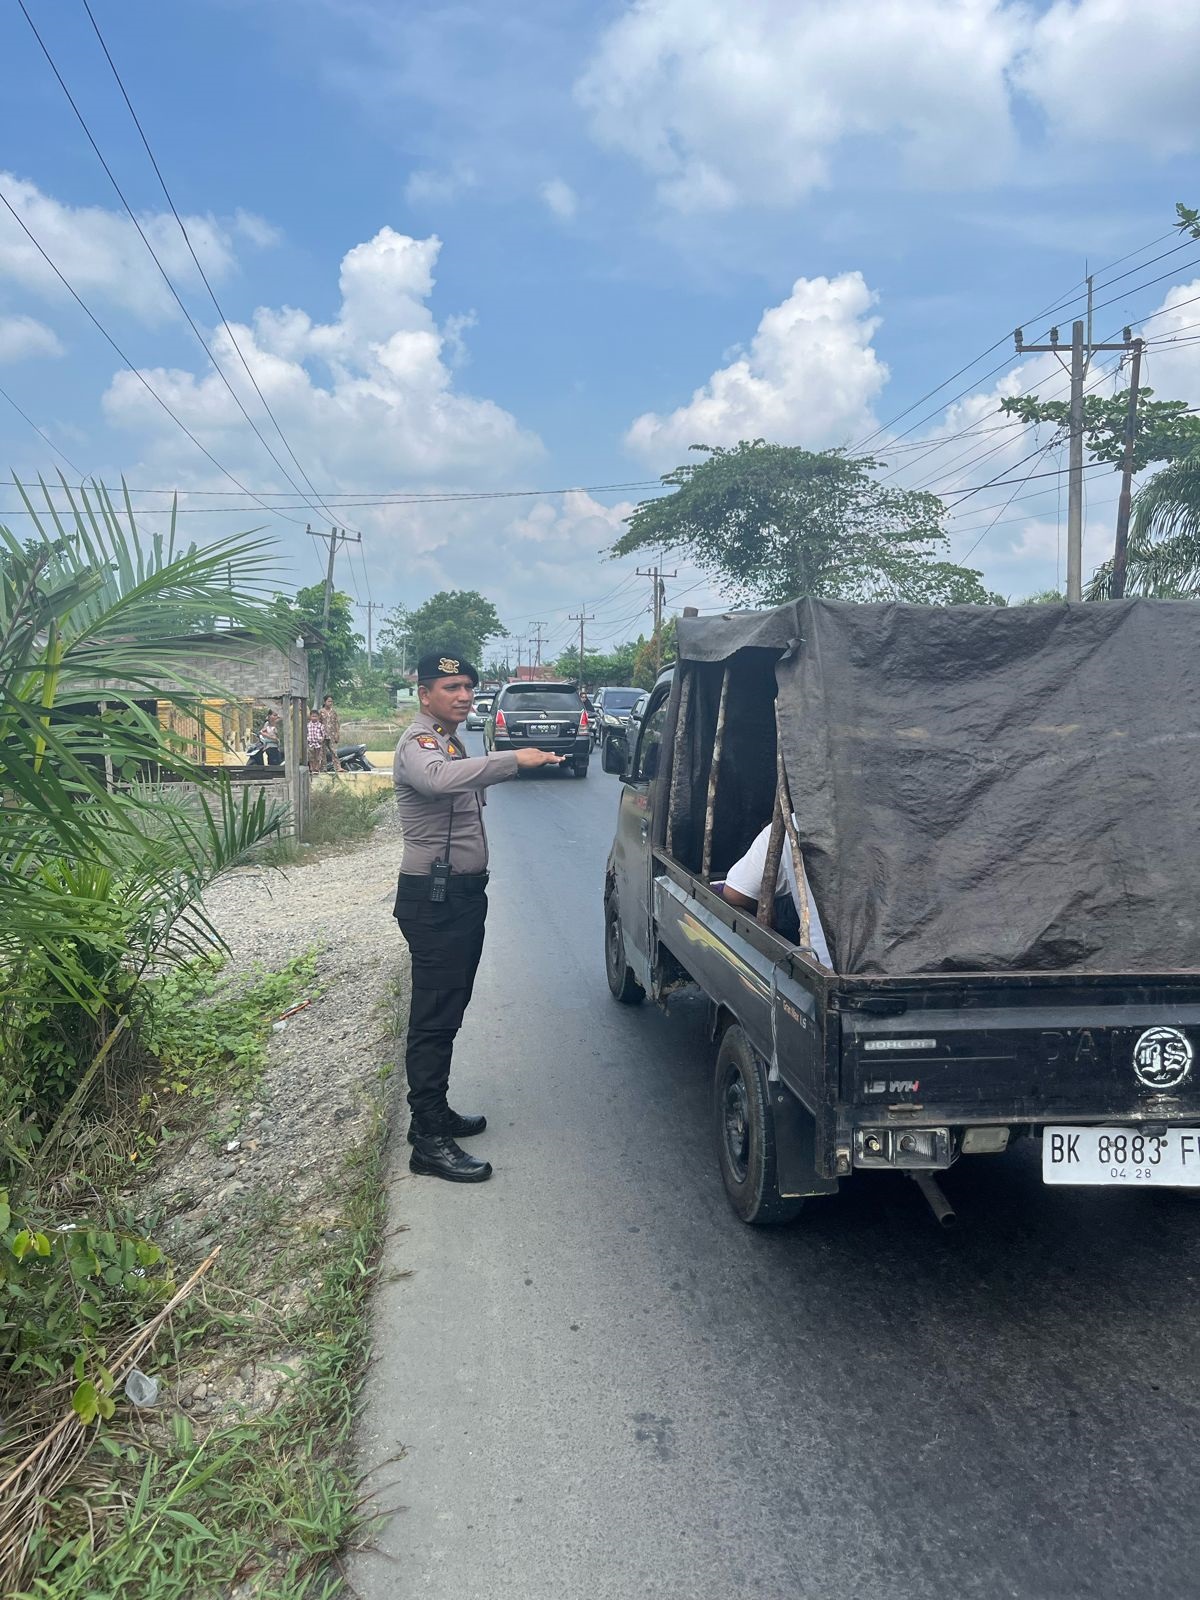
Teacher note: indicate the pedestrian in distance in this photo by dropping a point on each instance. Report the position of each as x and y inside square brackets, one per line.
[441, 900]
[332, 724]
[270, 736]
[314, 738]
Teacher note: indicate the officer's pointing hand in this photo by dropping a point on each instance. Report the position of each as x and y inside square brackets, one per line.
[537, 758]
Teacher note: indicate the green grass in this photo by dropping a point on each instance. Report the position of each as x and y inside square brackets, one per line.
[340, 813]
[164, 1506]
[272, 1499]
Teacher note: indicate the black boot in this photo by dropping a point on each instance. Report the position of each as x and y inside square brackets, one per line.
[437, 1155]
[458, 1126]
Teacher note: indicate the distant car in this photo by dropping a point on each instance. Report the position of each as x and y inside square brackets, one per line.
[619, 741]
[541, 716]
[478, 714]
[613, 712]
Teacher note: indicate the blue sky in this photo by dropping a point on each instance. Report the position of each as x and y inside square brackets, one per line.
[476, 248]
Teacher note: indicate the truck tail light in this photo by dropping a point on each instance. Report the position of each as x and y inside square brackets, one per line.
[583, 722]
[501, 725]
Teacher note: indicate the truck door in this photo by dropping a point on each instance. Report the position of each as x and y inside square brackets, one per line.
[632, 856]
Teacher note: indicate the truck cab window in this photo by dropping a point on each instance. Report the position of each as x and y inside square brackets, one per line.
[645, 766]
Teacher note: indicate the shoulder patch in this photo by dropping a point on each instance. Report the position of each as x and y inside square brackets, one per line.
[426, 741]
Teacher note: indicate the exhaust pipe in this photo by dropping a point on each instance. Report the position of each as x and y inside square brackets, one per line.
[938, 1204]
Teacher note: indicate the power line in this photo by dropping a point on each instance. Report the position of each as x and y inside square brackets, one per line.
[200, 268]
[155, 257]
[103, 331]
[77, 470]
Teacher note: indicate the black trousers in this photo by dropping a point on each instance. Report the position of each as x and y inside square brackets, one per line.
[445, 941]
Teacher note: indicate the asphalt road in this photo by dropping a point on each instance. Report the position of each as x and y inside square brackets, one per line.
[597, 1384]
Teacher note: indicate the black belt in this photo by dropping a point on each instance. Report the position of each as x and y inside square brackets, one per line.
[415, 885]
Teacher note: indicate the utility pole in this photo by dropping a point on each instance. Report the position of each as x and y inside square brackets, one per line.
[1121, 545]
[1082, 352]
[581, 617]
[518, 659]
[370, 607]
[657, 575]
[537, 639]
[335, 538]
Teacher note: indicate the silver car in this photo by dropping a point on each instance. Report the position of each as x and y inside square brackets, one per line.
[478, 713]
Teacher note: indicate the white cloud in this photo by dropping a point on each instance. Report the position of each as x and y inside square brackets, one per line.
[560, 198]
[428, 186]
[746, 100]
[389, 409]
[101, 255]
[261, 233]
[22, 337]
[1118, 69]
[728, 102]
[809, 377]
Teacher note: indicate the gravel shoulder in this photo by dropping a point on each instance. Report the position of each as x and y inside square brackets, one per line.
[276, 1167]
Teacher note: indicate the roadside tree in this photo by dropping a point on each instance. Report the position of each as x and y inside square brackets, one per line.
[459, 619]
[774, 522]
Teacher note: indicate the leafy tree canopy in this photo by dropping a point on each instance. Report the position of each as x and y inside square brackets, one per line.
[342, 644]
[774, 522]
[1164, 430]
[462, 620]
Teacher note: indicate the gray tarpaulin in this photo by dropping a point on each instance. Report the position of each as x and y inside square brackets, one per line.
[990, 789]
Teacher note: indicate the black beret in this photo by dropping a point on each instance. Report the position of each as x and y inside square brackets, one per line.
[444, 664]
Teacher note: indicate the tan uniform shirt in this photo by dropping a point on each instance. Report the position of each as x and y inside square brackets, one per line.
[433, 775]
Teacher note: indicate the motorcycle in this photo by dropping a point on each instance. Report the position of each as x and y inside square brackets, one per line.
[259, 754]
[353, 758]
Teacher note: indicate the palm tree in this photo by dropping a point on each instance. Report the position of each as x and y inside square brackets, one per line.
[97, 882]
[1164, 538]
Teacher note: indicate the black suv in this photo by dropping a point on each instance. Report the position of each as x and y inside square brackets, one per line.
[541, 716]
[613, 709]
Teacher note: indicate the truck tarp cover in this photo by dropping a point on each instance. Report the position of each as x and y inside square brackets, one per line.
[984, 789]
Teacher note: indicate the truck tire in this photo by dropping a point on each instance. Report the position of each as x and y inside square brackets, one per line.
[621, 980]
[744, 1125]
[579, 768]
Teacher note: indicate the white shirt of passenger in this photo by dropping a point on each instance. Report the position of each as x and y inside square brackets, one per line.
[746, 877]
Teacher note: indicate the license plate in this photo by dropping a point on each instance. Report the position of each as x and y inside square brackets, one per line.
[543, 727]
[1117, 1156]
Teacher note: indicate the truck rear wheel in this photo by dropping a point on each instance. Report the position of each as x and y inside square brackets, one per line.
[621, 980]
[745, 1130]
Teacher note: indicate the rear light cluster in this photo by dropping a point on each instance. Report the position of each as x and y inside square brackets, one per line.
[583, 721]
[501, 725]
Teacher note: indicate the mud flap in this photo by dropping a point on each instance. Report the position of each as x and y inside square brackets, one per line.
[796, 1147]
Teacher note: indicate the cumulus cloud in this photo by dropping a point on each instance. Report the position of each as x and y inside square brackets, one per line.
[388, 407]
[1118, 69]
[808, 377]
[746, 100]
[100, 252]
[23, 337]
[560, 198]
[749, 101]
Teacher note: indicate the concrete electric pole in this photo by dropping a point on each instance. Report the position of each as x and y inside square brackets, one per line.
[1082, 351]
[581, 617]
[335, 538]
[370, 607]
[657, 575]
[1121, 544]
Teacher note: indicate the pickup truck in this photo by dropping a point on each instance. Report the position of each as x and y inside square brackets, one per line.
[992, 813]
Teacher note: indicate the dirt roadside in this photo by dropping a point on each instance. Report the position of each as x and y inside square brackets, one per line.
[276, 1166]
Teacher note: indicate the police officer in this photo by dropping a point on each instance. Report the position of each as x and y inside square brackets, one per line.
[441, 900]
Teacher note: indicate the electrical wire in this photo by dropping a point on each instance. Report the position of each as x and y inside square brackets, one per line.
[103, 331]
[77, 470]
[313, 506]
[200, 269]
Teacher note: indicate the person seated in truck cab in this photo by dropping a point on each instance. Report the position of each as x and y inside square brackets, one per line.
[744, 880]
